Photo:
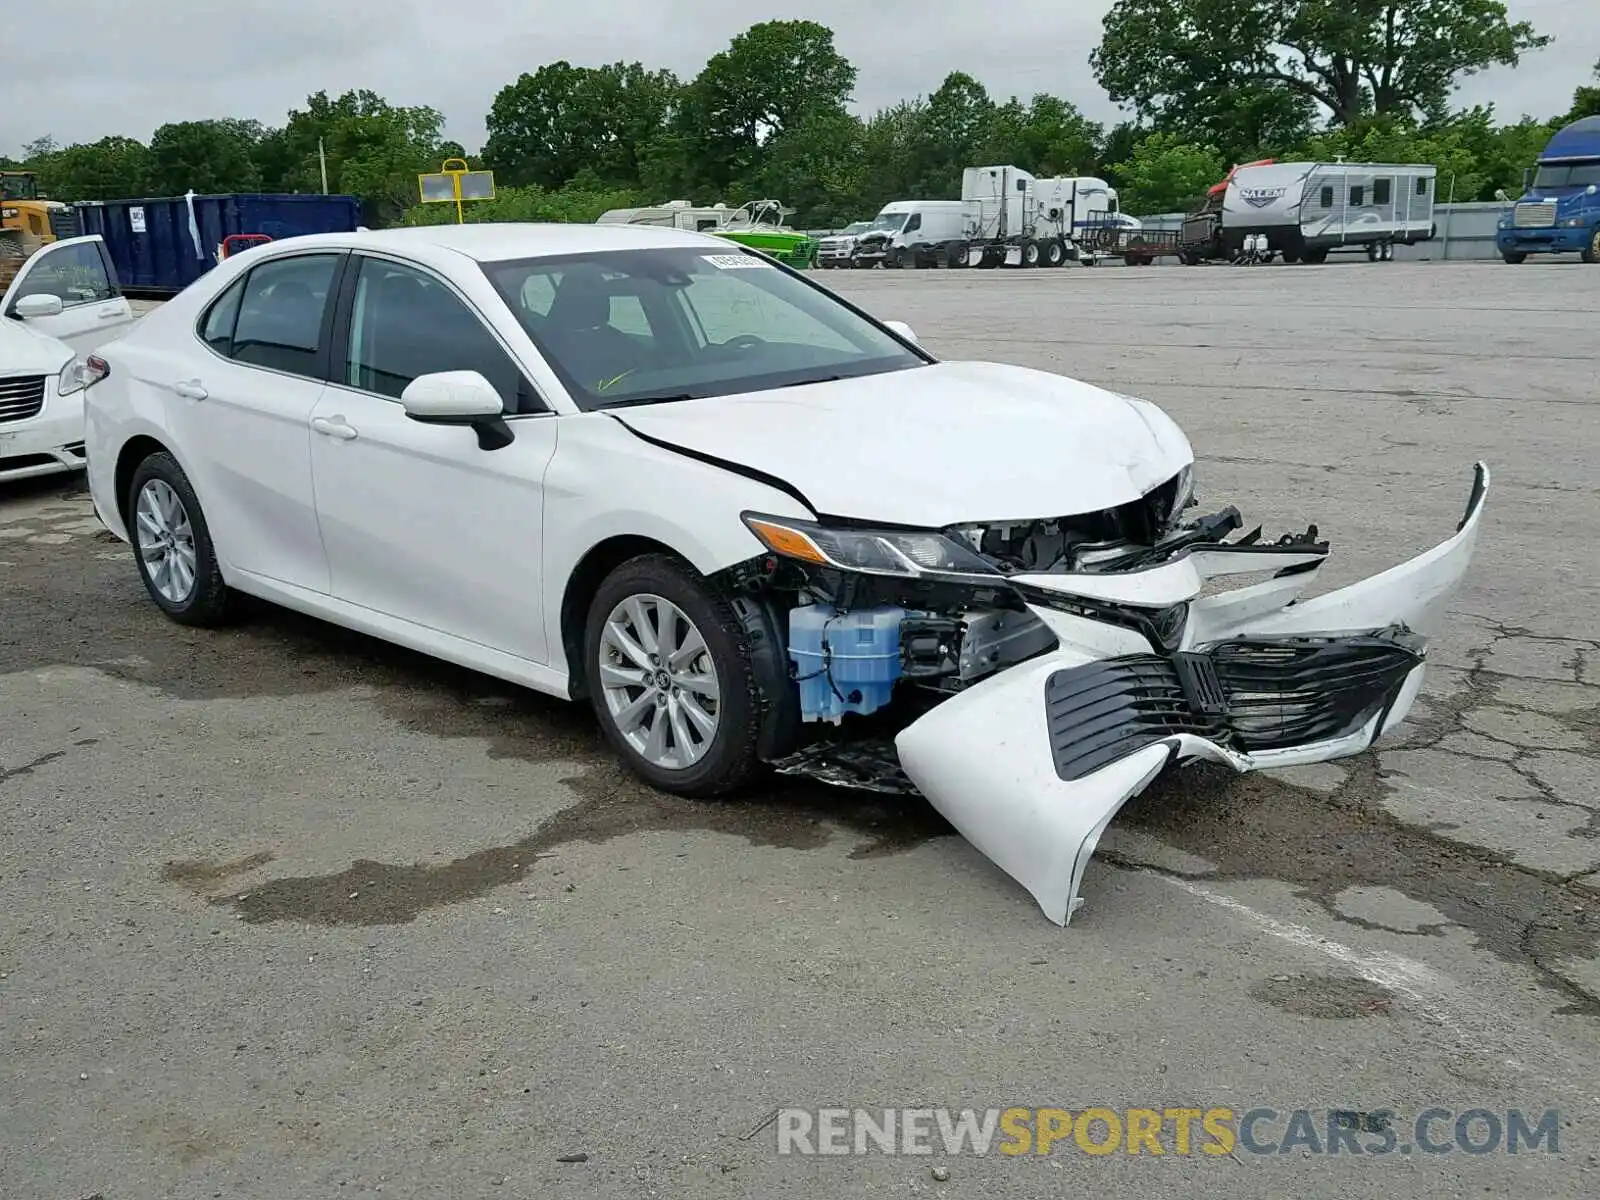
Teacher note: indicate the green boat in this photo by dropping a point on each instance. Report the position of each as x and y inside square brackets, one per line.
[760, 225]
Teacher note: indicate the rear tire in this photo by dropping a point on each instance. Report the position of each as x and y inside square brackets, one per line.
[1055, 253]
[1031, 254]
[172, 545]
[665, 590]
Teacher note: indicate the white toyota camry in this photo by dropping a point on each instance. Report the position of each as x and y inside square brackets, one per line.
[752, 525]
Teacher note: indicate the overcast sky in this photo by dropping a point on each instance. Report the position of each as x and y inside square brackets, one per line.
[146, 62]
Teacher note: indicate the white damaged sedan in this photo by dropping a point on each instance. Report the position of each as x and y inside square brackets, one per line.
[754, 527]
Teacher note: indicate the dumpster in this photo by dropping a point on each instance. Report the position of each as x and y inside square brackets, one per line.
[160, 245]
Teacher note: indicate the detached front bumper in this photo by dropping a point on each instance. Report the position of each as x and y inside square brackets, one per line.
[1033, 764]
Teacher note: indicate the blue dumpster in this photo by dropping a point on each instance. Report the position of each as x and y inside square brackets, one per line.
[153, 241]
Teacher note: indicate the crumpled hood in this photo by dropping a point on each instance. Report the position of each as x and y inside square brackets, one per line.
[25, 351]
[946, 444]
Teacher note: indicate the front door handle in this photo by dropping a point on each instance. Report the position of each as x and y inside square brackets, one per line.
[333, 427]
[190, 389]
[110, 314]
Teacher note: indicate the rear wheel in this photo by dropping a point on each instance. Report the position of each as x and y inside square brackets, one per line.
[1315, 255]
[1055, 252]
[172, 545]
[1031, 254]
[670, 679]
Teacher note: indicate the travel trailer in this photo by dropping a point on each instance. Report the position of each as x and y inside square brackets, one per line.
[1307, 210]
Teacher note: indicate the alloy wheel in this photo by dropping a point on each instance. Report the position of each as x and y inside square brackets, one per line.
[659, 681]
[165, 538]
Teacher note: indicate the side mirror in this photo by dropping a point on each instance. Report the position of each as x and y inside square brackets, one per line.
[903, 330]
[30, 307]
[459, 398]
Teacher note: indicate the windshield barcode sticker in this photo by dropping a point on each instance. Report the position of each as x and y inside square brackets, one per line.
[733, 262]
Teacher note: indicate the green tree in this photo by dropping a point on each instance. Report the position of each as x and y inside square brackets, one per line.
[889, 141]
[956, 129]
[1166, 174]
[770, 79]
[208, 156]
[1180, 60]
[817, 167]
[114, 168]
[1585, 101]
[374, 150]
[549, 125]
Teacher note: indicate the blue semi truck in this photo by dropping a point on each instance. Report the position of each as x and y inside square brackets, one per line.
[1560, 212]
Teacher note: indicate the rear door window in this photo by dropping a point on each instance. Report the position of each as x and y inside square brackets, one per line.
[279, 325]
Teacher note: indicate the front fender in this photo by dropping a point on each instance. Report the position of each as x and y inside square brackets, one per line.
[604, 483]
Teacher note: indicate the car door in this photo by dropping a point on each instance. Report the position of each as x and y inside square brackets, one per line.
[242, 395]
[79, 273]
[419, 522]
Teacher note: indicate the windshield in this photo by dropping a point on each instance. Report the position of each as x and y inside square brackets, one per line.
[1568, 175]
[679, 323]
[18, 187]
[889, 222]
[857, 227]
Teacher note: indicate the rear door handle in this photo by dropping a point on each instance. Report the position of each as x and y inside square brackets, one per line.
[190, 389]
[333, 427]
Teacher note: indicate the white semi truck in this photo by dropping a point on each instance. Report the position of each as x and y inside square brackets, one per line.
[1018, 220]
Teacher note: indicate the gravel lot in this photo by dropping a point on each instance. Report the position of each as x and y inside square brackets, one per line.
[287, 913]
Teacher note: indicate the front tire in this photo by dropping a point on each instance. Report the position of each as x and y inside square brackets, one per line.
[1592, 253]
[671, 680]
[172, 545]
[1514, 258]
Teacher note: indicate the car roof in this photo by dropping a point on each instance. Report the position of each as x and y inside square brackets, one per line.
[501, 241]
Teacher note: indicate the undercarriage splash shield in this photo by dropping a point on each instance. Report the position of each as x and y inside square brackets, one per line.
[1033, 764]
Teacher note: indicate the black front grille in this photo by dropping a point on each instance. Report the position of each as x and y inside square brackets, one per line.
[21, 397]
[1249, 694]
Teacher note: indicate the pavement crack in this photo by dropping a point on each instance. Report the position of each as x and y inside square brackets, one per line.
[28, 768]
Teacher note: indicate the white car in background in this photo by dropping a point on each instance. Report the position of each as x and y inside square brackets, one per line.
[753, 526]
[63, 303]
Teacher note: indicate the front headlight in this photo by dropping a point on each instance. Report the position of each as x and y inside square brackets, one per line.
[1183, 495]
[906, 553]
[83, 371]
[1575, 222]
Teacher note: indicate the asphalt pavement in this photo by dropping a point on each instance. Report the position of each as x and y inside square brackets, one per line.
[285, 912]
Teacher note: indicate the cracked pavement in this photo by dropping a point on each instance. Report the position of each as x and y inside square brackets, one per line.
[287, 912]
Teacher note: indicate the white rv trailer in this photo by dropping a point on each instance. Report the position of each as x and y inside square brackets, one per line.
[674, 214]
[1307, 209]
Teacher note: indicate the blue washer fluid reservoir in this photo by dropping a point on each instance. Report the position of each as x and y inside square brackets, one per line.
[844, 662]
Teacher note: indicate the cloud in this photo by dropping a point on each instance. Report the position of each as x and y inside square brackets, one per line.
[140, 65]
